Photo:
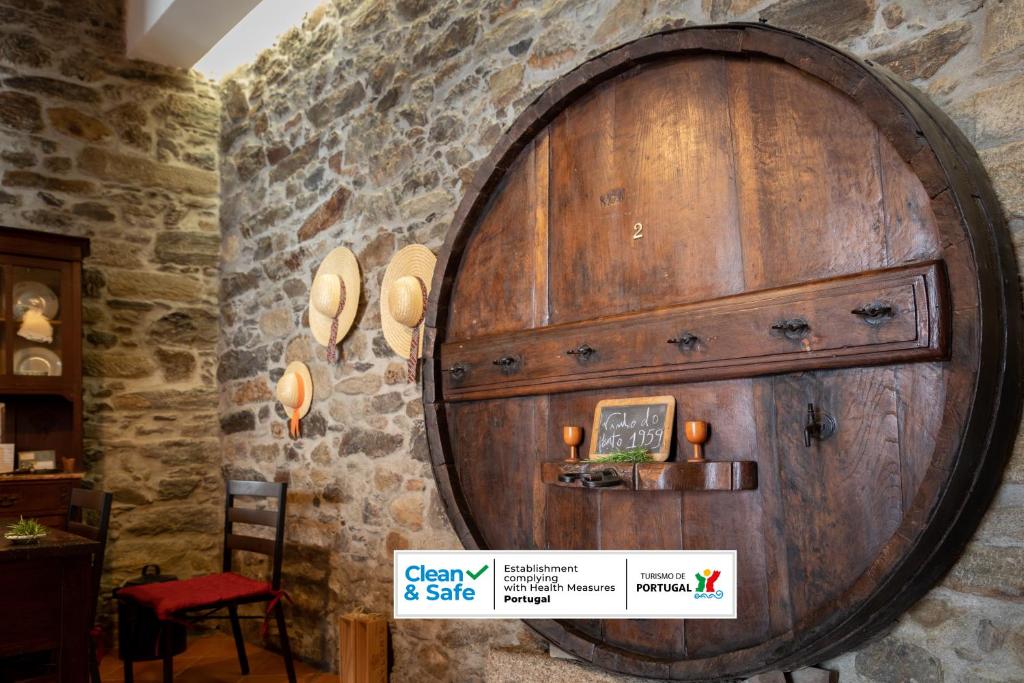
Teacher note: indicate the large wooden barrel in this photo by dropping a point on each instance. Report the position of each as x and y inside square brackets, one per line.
[773, 179]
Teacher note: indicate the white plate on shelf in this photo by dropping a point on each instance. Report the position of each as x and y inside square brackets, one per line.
[28, 294]
[37, 361]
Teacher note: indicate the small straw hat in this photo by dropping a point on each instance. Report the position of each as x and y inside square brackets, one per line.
[403, 301]
[295, 392]
[334, 299]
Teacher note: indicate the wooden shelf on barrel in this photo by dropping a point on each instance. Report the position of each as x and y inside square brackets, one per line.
[729, 475]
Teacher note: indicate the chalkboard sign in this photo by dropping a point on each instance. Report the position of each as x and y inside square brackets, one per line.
[624, 423]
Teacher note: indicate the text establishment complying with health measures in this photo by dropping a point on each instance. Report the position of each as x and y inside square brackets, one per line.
[570, 584]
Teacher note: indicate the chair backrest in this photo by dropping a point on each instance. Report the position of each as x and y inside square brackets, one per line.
[271, 547]
[79, 523]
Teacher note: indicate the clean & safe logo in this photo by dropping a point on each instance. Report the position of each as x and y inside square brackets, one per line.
[447, 584]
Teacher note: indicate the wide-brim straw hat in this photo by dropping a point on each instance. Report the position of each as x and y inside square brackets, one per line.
[288, 389]
[338, 267]
[402, 304]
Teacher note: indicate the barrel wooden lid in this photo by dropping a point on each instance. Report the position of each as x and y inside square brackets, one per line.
[818, 233]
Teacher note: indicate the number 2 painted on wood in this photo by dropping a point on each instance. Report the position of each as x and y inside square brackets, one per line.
[638, 231]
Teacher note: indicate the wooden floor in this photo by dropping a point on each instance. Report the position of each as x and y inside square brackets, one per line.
[212, 659]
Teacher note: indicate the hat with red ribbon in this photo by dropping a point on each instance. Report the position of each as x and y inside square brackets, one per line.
[334, 299]
[403, 302]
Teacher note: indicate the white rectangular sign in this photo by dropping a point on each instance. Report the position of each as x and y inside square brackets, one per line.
[565, 584]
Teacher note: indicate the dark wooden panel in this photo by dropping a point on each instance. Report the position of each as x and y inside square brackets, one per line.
[910, 227]
[842, 497]
[653, 148]
[570, 523]
[713, 520]
[50, 602]
[36, 602]
[498, 483]
[808, 185]
[43, 244]
[632, 520]
[264, 546]
[44, 497]
[83, 530]
[769, 489]
[912, 233]
[253, 516]
[511, 237]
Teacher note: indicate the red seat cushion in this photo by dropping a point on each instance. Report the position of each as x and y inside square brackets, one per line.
[201, 591]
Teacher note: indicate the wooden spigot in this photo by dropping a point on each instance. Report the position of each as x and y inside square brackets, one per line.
[572, 436]
[697, 434]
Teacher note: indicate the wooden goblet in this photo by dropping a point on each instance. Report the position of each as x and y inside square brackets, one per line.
[697, 434]
[572, 436]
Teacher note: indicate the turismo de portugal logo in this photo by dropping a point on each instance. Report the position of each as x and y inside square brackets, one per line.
[706, 585]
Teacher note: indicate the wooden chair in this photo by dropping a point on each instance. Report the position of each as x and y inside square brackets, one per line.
[84, 501]
[165, 597]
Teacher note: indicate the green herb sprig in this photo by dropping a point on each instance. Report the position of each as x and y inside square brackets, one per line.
[26, 527]
[628, 455]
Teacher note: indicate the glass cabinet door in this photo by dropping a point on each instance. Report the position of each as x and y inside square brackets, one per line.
[36, 316]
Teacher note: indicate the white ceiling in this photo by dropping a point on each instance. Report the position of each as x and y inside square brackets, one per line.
[213, 36]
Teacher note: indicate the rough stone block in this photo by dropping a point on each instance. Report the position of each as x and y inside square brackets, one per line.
[326, 215]
[147, 286]
[176, 365]
[1004, 28]
[186, 327]
[289, 165]
[29, 179]
[992, 571]
[53, 87]
[922, 57]
[834, 21]
[241, 421]
[125, 365]
[892, 660]
[20, 111]
[241, 363]
[135, 171]
[187, 248]
[997, 113]
[76, 124]
[372, 443]
[170, 401]
[23, 49]
[1005, 166]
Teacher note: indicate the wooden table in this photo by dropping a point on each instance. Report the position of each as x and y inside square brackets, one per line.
[44, 599]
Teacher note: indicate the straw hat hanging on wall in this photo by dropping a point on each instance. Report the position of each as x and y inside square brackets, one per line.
[295, 392]
[334, 299]
[403, 302]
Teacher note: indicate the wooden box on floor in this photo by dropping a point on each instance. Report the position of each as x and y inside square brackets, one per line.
[363, 639]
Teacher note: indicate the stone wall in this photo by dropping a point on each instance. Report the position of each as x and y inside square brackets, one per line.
[362, 128]
[126, 153]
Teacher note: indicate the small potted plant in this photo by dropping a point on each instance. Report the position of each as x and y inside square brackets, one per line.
[25, 531]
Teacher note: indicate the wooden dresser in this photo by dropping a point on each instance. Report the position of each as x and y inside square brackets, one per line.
[40, 380]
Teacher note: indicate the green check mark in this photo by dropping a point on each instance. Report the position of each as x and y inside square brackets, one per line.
[478, 573]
